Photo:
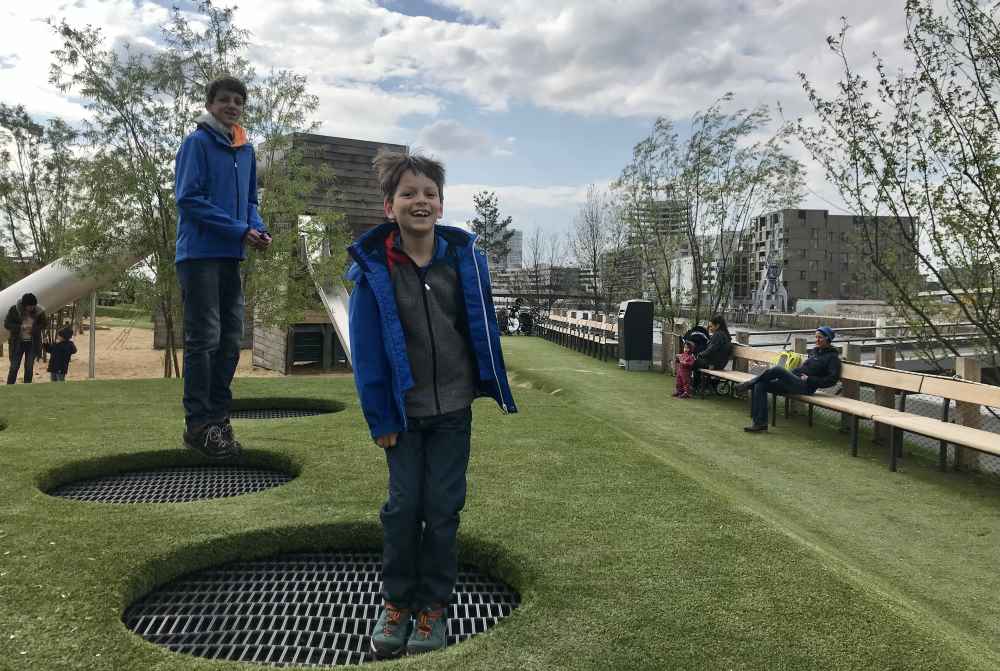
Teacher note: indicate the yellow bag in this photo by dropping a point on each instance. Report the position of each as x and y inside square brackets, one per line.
[788, 360]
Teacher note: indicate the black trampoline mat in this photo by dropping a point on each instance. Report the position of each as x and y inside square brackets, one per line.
[173, 485]
[275, 413]
[314, 609]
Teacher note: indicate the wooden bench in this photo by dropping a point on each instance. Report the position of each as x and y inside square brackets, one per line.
[598, 339]
[898, 420]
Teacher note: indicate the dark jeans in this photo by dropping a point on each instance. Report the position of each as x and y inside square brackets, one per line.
[774, 380]
[18, 351]
[420, 518]
[58, 377]
[213, 327]
[697, 379]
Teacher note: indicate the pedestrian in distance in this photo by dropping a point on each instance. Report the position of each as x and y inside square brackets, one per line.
[60, 352]
[425, 343]
[820, 370]
[217, 218]
[685, 362]
[25, 322]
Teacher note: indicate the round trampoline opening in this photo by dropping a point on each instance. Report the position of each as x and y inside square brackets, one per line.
[313, 609]
[173, 484]
[281, 408]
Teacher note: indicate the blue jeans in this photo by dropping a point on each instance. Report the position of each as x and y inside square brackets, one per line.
[58, 377]
[774, 380]
[21, 349]
[213, 328]
[420, 518]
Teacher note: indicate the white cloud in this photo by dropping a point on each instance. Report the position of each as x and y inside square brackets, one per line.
[446, 138]
[379, 73]
[551, 208]
[24, 33]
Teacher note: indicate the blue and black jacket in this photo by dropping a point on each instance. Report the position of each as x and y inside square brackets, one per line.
[216, 192]
[382, 370]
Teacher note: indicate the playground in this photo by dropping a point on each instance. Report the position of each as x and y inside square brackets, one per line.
[125, 352]
[641, 532]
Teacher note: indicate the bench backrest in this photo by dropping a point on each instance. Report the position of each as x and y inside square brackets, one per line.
[881, 377]
[913, 383]
[960, 390]
[753, 353]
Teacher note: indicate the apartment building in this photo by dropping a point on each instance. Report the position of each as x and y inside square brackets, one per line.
[806, 254]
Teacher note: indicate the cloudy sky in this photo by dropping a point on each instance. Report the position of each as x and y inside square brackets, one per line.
[534, 99]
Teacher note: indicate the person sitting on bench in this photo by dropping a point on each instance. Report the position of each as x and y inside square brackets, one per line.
[716, 354]
[820, 370]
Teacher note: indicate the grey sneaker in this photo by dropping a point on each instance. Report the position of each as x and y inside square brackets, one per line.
[229, 436]
[388, 637]
[210, 442]
[429, 633]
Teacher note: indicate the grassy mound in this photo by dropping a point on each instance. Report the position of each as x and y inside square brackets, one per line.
[624, 559]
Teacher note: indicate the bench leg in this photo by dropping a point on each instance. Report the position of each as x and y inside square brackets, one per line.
[895, 436]
[854, 435]
[788, 407]
[774, 409]
[943, 456]
[810, 414]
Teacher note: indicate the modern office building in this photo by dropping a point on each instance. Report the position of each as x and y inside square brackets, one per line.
[666, 216]
[806, 254]
[515, 259]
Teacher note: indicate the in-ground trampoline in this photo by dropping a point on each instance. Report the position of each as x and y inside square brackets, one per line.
[313, 609]
[282, 408]
[173, 484]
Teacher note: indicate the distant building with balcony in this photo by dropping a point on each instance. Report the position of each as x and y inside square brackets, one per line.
[807, 254]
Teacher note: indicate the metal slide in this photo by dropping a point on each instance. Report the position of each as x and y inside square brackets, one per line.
[57, 284]
[335, 301]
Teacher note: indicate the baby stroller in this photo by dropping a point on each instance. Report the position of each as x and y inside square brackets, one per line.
[698, 335]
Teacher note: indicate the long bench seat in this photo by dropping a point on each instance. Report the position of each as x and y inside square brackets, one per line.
[940, 429]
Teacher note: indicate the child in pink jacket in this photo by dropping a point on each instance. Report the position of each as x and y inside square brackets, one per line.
[685, 361]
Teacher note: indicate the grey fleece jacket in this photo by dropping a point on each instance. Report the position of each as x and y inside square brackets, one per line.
[432, 314]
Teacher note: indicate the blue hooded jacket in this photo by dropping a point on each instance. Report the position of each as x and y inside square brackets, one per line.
[216, 192]
[378, 346]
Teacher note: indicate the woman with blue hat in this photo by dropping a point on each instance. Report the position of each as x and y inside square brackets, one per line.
[820, 370]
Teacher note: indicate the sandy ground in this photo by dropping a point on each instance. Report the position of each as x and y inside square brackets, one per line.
[122, 354]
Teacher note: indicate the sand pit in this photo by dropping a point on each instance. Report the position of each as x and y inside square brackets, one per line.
[122, 354]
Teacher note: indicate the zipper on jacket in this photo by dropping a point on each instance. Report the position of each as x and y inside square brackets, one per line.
[236, 175]
[424, 288]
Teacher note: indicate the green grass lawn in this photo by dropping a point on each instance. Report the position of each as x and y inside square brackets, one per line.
[642, 532]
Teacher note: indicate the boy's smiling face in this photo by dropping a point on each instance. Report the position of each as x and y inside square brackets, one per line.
[227, 107]
[416, 205]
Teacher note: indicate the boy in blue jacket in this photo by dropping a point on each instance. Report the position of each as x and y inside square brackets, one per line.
[216, 193]
[425, 343]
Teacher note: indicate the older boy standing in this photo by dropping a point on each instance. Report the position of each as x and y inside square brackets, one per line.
[425, 343]
[216, 192]
[25, 321]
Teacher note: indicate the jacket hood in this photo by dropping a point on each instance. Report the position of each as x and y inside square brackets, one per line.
[20, 307]
[218, 129]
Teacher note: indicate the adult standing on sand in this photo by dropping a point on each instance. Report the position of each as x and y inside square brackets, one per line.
[25, 321]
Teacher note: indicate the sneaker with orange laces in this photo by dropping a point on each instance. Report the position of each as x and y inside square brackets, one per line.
[388, 638]
[429, 632]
